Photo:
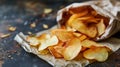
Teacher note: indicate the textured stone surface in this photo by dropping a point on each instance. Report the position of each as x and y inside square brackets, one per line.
[21, 14]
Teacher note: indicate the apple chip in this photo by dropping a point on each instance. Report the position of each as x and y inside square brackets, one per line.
[62, 34]
[101, 27]
[72, 49]
[96, 53]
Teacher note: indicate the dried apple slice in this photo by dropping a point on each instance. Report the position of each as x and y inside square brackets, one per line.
[90, 30]
[62, 34]
[98, 53]
[101, 27]
[72, 49]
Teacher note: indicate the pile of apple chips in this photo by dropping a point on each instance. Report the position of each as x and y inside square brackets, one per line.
[75, 37]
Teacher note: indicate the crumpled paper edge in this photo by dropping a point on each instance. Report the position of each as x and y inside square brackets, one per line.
[21, 39]
[112, 43]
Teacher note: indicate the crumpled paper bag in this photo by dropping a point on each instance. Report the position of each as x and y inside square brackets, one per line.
[108, 8]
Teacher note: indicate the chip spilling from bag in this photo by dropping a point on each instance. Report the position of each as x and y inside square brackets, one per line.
[84, 20]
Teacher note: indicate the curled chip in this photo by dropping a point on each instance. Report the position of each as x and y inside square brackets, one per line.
[12, 28]
[72, 49]
[90, 30]
[33, 41]
[43, 41]
[44, 52]
[54, 52]
[62, 34]
[48, 42]
[101, 27]
[89, 43]
[96, 53]
[57, 50]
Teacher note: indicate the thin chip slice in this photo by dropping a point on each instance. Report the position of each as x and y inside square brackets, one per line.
[89, 43]
[11, 28]
[48, 42]
[83, 37]
[97, 53]
[54, 52]
[89, 19]
[77, 34]
[75, 16]
[90, 30]
[33, 41]
[72, 49]
[62, 34]
[44, 52]
[57, 50]
[101, 27]
[5, 35]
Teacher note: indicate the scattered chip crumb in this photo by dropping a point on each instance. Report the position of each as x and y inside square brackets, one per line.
[5, 35]
[12, 28]
[33, 25]
[47, 10]
[45, 26]
[9, 56]
[29, 33]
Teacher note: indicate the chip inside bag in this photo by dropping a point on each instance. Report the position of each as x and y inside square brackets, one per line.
[97, 19]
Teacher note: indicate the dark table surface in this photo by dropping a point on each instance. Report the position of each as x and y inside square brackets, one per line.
[21, 14]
